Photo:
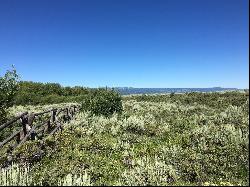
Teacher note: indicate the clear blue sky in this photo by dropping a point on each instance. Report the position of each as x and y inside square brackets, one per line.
[138, 43]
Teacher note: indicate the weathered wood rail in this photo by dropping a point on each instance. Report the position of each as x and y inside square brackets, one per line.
[29, 131]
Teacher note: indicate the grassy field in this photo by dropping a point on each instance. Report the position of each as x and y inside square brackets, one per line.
[175, 139]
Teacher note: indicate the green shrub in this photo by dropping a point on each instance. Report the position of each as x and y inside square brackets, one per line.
[8, 88]
[103, 102]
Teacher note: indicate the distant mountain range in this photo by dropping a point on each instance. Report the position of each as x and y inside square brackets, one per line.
[131, 90]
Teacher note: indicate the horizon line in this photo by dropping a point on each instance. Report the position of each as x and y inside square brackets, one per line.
[132, 87]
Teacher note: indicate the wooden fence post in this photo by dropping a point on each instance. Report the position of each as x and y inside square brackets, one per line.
[64, 118]
[71, 115]
[26, 137]
[67, 112]
[66, 115]
[53, 116]
[33, 135]
[31, 118]
[47, 127]
[18, 138]
[24, 121]
[30, 122]
[72, 112]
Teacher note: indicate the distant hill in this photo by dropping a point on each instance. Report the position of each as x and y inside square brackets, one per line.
[131, 90]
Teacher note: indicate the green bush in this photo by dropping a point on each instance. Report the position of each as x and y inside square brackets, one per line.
[8, 89]
[103, 102]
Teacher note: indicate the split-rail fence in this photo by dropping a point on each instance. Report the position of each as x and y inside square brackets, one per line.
[56, 117]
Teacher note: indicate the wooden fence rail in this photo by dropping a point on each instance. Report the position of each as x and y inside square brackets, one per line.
[28, 130]
[12, 121]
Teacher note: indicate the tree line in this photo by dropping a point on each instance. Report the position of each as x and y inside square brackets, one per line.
[34, 93]
[102, 101]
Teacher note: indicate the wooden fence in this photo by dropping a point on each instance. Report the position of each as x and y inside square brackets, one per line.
[29, 131]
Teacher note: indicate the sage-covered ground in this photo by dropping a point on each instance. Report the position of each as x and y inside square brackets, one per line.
[174, 139]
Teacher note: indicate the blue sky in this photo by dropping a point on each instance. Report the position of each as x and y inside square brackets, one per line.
[138, 43]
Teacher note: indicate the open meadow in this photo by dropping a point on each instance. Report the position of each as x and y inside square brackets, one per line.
[173, 139]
